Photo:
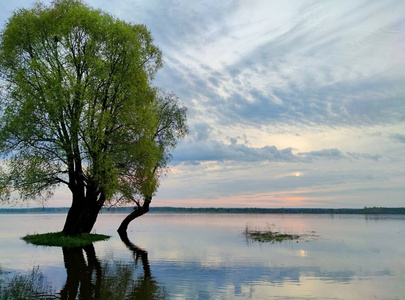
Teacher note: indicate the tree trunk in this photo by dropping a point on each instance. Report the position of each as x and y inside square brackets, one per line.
[73, 224]
[92, 216]
[139, 211]
[82, 214]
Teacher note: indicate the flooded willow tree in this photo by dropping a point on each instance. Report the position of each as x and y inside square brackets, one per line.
[79, 109]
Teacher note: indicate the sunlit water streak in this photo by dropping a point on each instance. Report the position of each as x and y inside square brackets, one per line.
[206, 256]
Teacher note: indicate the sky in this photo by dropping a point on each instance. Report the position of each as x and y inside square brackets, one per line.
[291, 103]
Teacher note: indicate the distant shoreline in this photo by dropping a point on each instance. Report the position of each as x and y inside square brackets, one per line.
[212, 210]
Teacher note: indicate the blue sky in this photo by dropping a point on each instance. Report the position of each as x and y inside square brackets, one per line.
[291, 103]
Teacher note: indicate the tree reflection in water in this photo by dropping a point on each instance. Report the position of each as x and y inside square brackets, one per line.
[137, 253]
[80, 273]
[87, 278]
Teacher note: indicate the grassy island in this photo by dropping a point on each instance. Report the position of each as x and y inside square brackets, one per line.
[61, 240]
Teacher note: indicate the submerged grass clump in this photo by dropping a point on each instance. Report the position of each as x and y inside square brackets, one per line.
[61, 240]
[30, 286]
[268, 235]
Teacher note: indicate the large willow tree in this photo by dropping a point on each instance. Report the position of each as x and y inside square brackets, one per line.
[78, 108]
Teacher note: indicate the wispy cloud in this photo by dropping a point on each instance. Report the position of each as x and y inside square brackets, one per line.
[324, 64]
[399, 137]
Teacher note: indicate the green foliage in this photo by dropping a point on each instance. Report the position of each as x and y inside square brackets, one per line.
[141, 181]
[79, 107]
[60, 240]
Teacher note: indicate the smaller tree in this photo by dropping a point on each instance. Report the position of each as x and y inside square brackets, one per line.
[140, 186]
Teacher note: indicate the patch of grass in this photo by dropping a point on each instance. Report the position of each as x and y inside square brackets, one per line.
[61, 240]
[268, 235]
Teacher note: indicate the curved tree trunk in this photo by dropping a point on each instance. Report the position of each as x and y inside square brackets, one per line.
[139, 211]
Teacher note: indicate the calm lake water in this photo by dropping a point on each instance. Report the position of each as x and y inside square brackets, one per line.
[206, 256]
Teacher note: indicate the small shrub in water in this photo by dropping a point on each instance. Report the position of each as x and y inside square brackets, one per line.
[268, 235]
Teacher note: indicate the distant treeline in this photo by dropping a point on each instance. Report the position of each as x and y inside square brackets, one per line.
[365, 210]
[212, 210]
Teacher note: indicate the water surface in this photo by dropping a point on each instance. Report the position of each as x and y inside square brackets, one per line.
[206, 256]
